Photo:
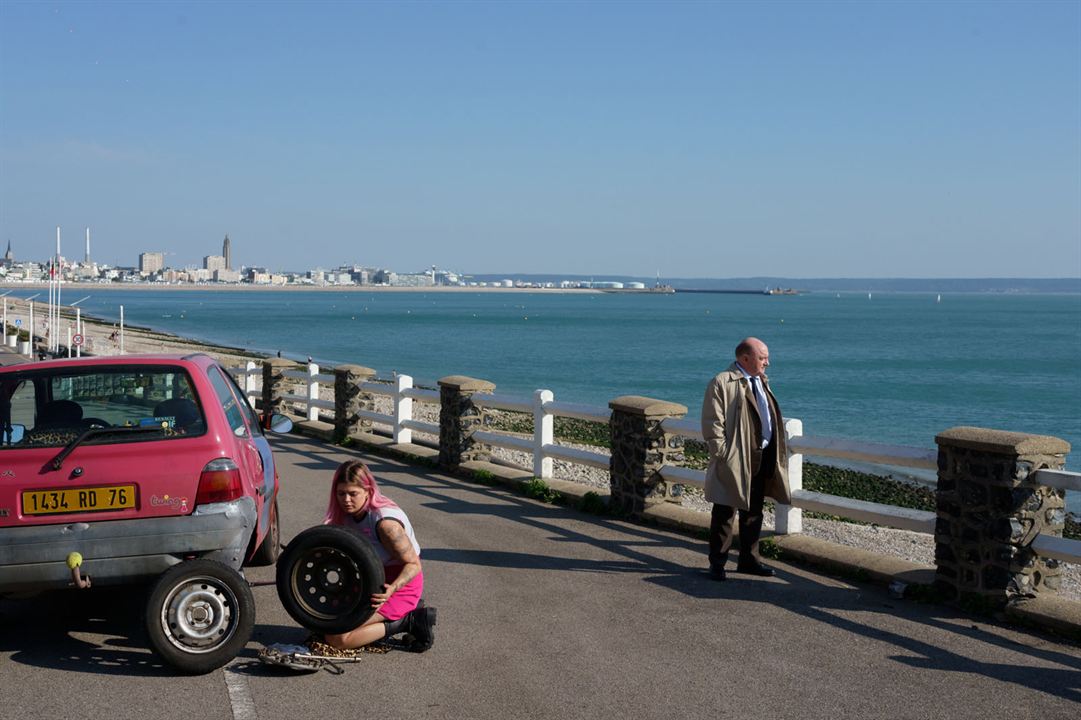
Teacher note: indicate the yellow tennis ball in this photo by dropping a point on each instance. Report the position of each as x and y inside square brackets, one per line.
[74, 560]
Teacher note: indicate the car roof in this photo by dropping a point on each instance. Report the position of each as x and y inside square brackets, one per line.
[198, 359]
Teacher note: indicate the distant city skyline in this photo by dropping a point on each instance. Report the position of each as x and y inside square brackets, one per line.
[708, 139]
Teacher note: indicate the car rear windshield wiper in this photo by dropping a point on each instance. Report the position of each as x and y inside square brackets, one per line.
[58, 462]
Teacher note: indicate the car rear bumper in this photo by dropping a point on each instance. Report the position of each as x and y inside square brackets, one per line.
[123, 551]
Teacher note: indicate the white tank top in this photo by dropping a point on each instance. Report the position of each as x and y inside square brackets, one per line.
[366, 527]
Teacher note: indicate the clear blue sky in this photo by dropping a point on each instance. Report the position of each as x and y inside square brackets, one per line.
[693, 139]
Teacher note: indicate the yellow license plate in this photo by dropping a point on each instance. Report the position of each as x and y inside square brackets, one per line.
[78, 500]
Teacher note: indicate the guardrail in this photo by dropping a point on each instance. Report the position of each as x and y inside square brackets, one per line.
[544, 449]
[789, 518]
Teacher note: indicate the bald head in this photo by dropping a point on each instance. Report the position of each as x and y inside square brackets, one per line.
[753, 356]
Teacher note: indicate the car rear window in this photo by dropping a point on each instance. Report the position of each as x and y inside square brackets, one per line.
[51, 407]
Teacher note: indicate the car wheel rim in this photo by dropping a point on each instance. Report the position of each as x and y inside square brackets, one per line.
[326, 582]
[199, 615]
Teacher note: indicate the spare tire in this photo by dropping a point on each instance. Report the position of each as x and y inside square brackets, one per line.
[326, 576]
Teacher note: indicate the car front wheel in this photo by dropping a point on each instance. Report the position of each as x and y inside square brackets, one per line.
[200, 615]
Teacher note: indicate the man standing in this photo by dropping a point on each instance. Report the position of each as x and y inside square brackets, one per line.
[748, 457]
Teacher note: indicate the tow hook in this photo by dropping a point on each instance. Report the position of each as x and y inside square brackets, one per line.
[74, 561]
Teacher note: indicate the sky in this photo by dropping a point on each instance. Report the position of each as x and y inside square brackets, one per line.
[680, 139]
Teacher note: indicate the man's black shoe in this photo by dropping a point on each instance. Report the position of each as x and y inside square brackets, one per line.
[716, 572]
[753, 567]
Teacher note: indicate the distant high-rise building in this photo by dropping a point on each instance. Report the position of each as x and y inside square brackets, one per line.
[151, 262]
[214, 262]
[227, 253]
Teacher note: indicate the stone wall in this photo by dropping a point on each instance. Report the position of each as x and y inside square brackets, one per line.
[640, 447]
[350, 399]
[460, 418]
[990, 510]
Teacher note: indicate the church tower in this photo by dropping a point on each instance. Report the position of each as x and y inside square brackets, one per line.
[227, 253]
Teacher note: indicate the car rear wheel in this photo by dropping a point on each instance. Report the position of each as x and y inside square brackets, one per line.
[267, 552]
[200, 615]
[326, 577]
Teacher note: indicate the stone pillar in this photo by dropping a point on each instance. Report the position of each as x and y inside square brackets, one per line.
[459, 418]
[640, 447]
[274, 381]
[350, 399]
[989, 511]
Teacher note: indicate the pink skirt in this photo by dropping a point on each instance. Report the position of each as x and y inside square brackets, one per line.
[405, 598]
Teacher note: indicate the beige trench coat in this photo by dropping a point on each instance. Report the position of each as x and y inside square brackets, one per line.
[728, 428]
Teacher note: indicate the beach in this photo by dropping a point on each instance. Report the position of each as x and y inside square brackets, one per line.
[101, 337]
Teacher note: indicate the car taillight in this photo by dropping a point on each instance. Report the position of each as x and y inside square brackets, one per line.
[219, 482]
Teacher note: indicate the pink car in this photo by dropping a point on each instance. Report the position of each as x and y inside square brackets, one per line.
[140, 469]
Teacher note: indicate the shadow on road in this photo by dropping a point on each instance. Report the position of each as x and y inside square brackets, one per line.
[92, 631]
[639, 550]
[100, 631]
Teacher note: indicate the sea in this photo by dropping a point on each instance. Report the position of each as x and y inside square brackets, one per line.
[893, 368]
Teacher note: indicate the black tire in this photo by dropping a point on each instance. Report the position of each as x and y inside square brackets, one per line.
[200, 615]
[267, 552]
[326, 577]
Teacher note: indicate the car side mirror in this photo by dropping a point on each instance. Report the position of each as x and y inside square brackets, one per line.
[280, 424]
[18, 432]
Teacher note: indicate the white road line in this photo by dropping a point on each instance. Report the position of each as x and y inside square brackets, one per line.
[239, 694]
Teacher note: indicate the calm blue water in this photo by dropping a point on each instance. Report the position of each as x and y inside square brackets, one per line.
[896, 368]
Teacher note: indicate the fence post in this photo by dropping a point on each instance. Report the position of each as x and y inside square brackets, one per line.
[459, 418]
[543, 434]
[640, 448]
[249, 381]
[350, 399]
[788, 519]
[274, 384]
[989, 512]
[313, 391]
[403, 409]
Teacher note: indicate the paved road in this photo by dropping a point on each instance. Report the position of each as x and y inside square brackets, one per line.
[545, 613]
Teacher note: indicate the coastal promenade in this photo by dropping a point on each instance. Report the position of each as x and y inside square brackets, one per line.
[549, 613]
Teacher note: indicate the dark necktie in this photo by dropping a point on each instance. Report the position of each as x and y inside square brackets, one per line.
[763, 410]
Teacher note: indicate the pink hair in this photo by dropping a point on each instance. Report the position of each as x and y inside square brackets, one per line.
[354, 472]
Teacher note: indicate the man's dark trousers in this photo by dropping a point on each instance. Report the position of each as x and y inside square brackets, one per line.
[763, 466]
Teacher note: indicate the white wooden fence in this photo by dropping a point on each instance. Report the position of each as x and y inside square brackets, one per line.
[544, 408]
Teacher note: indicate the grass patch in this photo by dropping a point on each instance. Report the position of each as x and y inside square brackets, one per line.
[484, 477]
[695, 454]
[539, 490]
[421, 460]
[768, 548]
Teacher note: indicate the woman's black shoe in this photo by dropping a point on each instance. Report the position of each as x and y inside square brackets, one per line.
[422, 628]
